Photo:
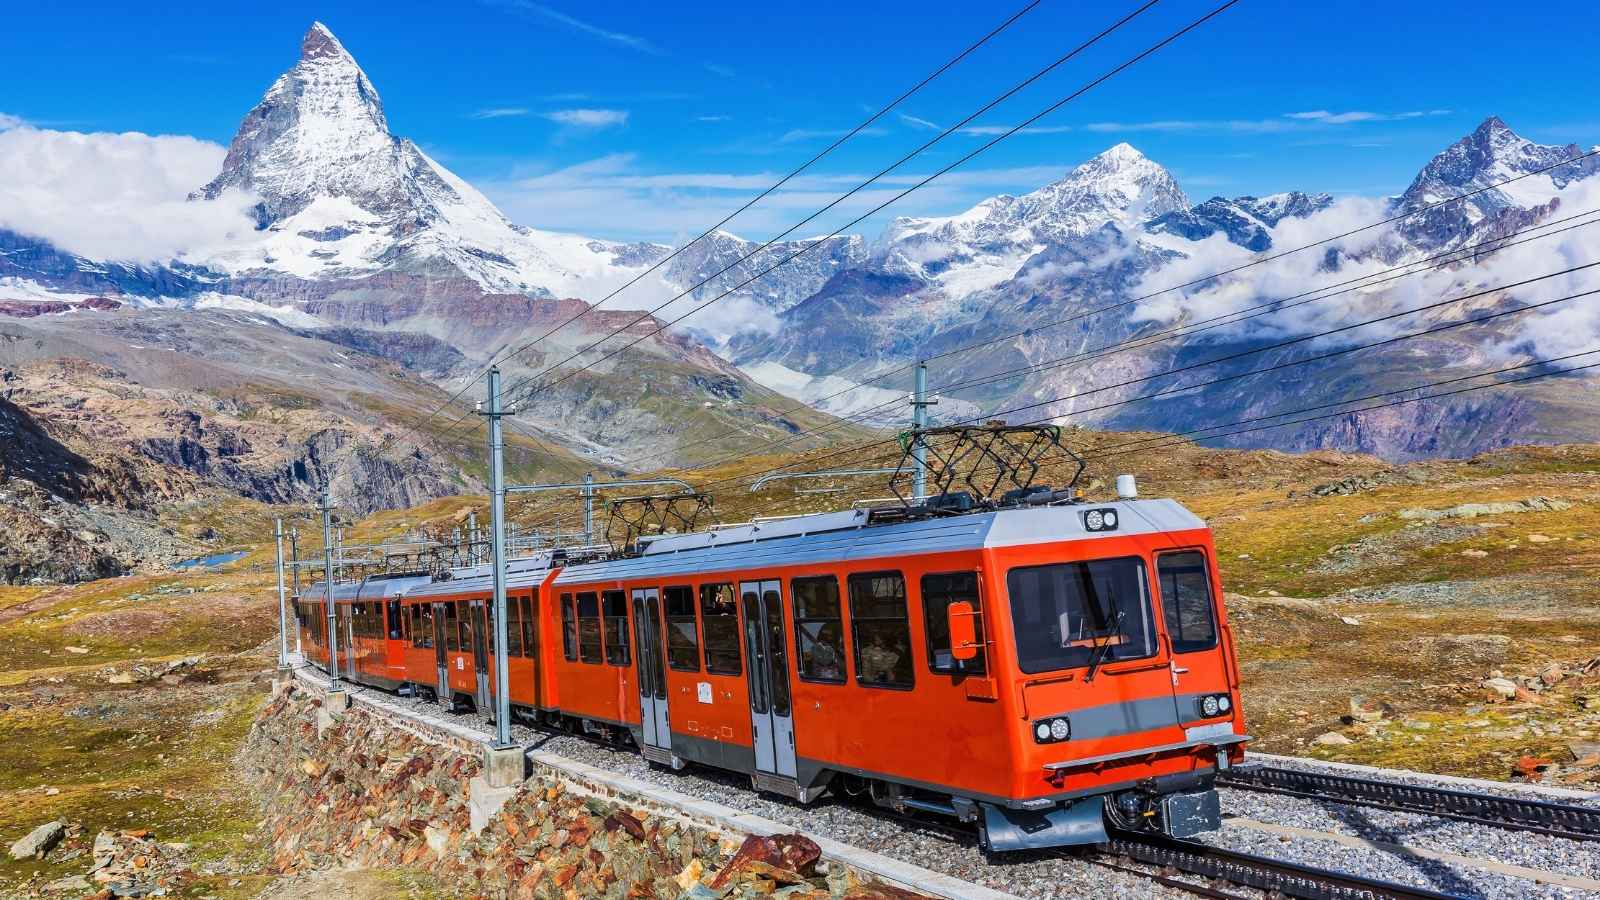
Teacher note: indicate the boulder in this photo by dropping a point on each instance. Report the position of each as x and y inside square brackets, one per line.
[39, 841]
[1500, 689]
[1331, 739]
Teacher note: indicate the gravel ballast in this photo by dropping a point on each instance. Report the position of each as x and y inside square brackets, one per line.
[1063, 875]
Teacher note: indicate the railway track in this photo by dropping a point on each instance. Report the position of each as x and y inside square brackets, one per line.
[1232, 867]
[1559, 819]
[1226, 871]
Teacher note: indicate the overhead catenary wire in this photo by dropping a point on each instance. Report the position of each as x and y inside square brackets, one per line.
[1034, 329]
[1238, 355]
[838, 142]
[657, 329]
[1360, 283]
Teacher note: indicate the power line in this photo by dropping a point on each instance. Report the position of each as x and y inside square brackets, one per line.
[1363, 282]
[1120, 304]
[1230, 357]
[1163, 441]
[865, 123]
[963, 159]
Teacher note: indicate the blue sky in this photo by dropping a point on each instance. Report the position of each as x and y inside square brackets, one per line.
[651, 120]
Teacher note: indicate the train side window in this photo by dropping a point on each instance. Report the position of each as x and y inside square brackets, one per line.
[818, 628]
[513, 627]
[530, 608]
[719, 619]
[396, 627]
[938, 592]
[452, 630]
[589, 627]
[1186, 601]
[1066, 615]
[569, 628]
[464, 620]
[615, 607]
[882, 630]
[683, 634]
[487, 626]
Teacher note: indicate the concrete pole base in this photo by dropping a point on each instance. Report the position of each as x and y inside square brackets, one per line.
[336, 701]
[504, 766]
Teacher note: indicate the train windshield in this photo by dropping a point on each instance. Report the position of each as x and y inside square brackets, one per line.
[1070, 615]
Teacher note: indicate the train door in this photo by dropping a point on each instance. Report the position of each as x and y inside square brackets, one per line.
[772, 715]
[652, 669]
[478, 611]
[440, 657]
[1200, 687]
[347, 642]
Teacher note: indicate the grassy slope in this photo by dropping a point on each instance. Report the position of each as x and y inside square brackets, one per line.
[155, 755]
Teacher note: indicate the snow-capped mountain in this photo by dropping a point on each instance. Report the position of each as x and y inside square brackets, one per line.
[1491, 154]
[341, 196]
[989, 242]
[1032, 272]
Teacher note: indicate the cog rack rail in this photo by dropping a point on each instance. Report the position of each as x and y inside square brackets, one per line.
[1559, 819]
[1276, 877]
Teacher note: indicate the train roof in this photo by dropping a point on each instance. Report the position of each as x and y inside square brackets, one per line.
[372, 587]
[522, 572]
[832, 537]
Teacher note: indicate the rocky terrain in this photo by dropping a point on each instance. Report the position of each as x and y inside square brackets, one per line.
[1436, 615]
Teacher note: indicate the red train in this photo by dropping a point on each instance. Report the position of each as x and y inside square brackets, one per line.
[1039, 671]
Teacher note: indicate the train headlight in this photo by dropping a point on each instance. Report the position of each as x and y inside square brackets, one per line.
[1100, 520]
[1050, 731]
[1209, 706]
[1223, 703]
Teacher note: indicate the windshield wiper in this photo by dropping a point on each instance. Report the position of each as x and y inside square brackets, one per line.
[1102, 647]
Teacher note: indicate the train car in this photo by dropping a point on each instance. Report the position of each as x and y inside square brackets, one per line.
[311, 625]
[371, 643]
[449, 647]
[1037, 670]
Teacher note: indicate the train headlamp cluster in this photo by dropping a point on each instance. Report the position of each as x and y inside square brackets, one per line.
[1212, 705]
[1100, 520]
[1052, 731]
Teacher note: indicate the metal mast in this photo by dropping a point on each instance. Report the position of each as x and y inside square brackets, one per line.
[497, 551]
[326, 506]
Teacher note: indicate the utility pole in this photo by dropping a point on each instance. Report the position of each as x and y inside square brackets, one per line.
[294, 555]
[497, 551]
[588, 508]
[919, 422]
[326, 506]
[283, 602]
[472, 537]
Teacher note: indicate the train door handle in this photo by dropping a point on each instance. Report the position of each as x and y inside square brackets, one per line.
[1179, 670]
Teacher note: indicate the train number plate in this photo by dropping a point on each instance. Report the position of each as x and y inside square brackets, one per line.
[1215, 729]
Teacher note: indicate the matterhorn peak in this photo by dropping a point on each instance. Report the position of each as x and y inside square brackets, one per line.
[319, 42]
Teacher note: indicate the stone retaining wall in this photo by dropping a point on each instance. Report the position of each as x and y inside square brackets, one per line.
[358, 789]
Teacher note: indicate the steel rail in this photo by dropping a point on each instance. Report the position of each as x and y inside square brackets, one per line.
[1565, 820]
[1277, 877]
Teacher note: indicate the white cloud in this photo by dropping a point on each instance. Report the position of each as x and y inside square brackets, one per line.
[611, 196]
[8, 121]
[588, 118]
[808, 134]
[554, 15]
[501, 112]
[712, 118]
[1309, 120]
[116, 196]
[720, 70]
[991, 130]
[916, 122]
[1345, 118]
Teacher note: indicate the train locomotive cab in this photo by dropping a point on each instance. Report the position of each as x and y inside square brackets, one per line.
[1115, 652]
